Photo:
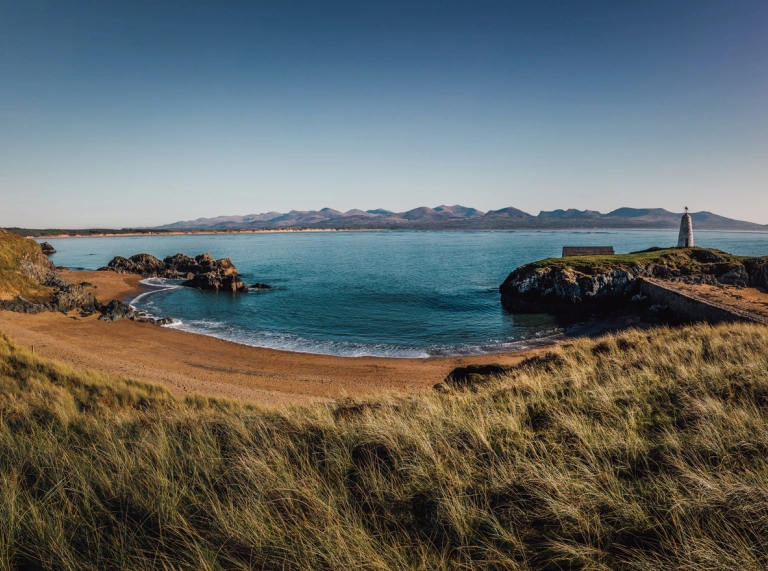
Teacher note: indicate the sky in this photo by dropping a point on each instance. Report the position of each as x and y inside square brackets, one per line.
[139, 113]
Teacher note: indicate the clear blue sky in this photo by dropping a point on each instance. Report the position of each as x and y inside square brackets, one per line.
[125, 113]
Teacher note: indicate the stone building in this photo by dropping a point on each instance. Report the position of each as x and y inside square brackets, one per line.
[587, 251]
[685, 239]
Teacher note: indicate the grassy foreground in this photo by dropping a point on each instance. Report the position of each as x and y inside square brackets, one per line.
[648, 450]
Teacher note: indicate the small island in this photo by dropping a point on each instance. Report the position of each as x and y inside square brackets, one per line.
[200, 272]
[575, 286]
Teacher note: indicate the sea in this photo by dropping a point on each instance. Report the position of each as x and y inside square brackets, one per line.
[378, 293]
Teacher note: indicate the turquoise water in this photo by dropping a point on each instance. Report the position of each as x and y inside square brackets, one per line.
[403, 294]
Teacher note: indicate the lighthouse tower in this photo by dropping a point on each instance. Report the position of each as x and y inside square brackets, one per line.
[685, 239]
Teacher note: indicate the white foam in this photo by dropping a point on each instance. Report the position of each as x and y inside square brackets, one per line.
[158, 285]
[294, 343]
[291, 342]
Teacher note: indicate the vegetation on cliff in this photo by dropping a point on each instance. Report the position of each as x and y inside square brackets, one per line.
[557, 283]
[22, 264]
[648, 450]
[30, 284]
[683, 261]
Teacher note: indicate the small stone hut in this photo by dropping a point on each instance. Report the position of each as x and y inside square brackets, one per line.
[587, 251]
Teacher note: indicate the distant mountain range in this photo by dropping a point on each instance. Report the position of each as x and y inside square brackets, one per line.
[465, 218]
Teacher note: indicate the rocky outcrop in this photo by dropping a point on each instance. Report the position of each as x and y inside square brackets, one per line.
[37, 267]
[117, 310]
[220, 275]
[757, 270]
[144, 265]
[200, 272]
[558, 285]
[47, 248]
[216, 282]
[20, 305]
[63, 299]
[68, 297]
[261, 286]
[71, 297]
[552, 290]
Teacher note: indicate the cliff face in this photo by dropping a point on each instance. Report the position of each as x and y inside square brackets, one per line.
[562, 284]
[550, 290]
[24, 268]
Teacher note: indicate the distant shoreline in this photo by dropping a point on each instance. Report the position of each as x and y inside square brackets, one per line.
[199, 232]
[332, 230]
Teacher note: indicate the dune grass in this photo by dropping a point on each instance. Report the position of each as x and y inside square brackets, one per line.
[648, 450]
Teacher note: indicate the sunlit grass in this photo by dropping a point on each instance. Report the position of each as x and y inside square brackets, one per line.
[648, 450]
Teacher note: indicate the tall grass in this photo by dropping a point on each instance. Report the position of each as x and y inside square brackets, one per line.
[648, 450]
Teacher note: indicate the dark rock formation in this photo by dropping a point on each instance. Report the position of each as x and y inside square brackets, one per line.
[67, 297]
[757, 269]
[563, 286]
[144, 265]
[221, 276]
[116, 310]
[21, 305]
[67, 300]
[563, 289]
[201, 272]
[47, 249]
[259, 285]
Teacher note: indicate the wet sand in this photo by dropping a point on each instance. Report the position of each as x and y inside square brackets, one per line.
[189, 363]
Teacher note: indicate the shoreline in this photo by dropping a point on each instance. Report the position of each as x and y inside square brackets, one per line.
[203, 233]
[140, 289]
[191, 363]
[332, 230]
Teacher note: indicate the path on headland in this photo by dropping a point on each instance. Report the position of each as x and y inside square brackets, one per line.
[189, 363]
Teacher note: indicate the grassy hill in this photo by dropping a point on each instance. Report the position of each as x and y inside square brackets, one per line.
[648, 450]
[20, 260]
[685, 261]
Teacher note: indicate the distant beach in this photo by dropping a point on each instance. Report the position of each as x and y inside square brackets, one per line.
[201, 232]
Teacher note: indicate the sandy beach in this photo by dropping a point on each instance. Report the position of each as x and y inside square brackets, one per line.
[189, 363]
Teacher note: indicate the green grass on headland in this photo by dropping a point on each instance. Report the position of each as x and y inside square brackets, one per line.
[648, 450]
[690, 261]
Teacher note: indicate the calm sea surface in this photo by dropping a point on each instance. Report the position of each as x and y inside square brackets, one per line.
[403, 294]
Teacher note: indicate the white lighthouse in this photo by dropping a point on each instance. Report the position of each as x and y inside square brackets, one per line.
[685, 239]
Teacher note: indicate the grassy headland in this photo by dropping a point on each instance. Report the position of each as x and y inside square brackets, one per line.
[648, 450]
[686, 261]
[20, 259]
